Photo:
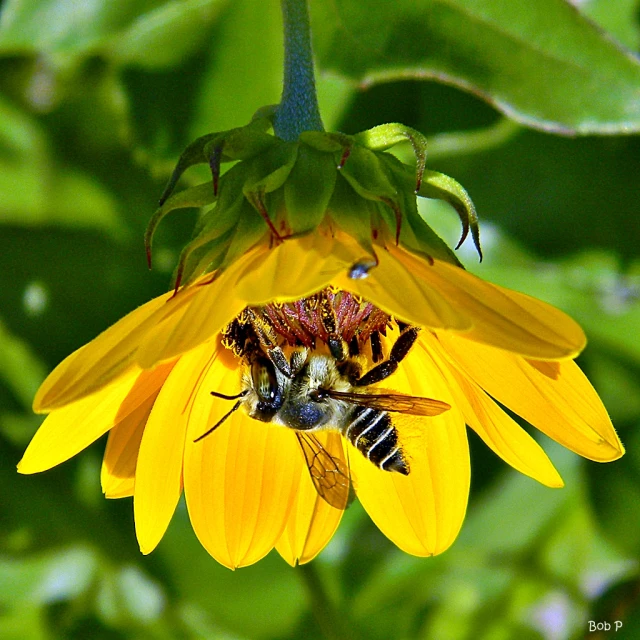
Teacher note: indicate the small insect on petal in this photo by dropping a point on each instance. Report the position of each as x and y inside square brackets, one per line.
[360, 269]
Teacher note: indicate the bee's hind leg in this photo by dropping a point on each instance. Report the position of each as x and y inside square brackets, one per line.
[399, 351]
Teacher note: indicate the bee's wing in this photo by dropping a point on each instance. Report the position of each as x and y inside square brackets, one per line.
[329, 474]
[388, 401]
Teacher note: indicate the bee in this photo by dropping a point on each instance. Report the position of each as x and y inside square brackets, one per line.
[311, 392]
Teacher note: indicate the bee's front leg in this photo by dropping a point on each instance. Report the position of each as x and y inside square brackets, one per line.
[268, 341]
[336, 343]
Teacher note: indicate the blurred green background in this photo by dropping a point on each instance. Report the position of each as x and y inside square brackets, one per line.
[97, 100]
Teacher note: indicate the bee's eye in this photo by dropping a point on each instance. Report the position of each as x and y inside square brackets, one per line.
[264, 380]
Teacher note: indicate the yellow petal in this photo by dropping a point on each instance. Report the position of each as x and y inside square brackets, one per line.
[566, 408]
[312, 521]
[69, 430]
[120, 487]
[403, 292]
[240, 481]
[498, 431]
[296, 268]
[158, 484]
[498, 316]
[421, 513]
[97, 363]
[117, 476]
[293, 269]
[205, 308]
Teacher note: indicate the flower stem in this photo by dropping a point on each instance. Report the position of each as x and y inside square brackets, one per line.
[298, 110]
[329, 619]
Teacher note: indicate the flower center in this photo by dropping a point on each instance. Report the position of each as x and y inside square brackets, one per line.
[332, 320]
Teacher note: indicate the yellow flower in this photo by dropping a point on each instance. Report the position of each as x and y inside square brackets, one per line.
[148, 381]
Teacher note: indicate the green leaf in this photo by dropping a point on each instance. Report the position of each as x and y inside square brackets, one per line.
[615, 495]
[578, 555]
[272, 587]
[23, 622]
[49, 577]
[334, 95]
[166, 35]
[619, 17]
[145, 33]
[245, 69]
[541, 63]
[20, 368]
[618, 386]
[48, 192]
[522, 506]
[64, 26]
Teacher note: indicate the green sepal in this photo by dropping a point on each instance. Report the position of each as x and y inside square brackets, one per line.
[266, 173]
[267, 112]
[327, 141]
[198, 196]
[385, 136]
[234, 144]
[214, 223]
[415, 233]
[269, 171]
[442, 187]
[248, 231]
[353, 214]
[365, 173]
[308, 188]
[191, 156]
[200, 256]
[230, 198]
[212, 251]
[242, 143]
[278, 190]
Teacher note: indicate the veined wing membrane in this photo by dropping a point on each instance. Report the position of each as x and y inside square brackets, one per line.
[413, 405]
[330, 476]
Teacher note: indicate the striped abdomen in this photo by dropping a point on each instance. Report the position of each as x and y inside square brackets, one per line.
[372, 433]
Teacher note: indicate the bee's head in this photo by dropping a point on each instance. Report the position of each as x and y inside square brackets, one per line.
[269, 392]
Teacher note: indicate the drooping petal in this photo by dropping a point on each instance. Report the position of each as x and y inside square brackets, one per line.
[495, 315]
[292, 270]
[117, 487]
[421, 513]
[563, 405]
[117, 476]
[499, 431]
[296, 268]
[312, 521]
[158, 484]
[68, 430]
[95, 364]
[161, 329]
[210, 305]
[241, 480]
[404, 293]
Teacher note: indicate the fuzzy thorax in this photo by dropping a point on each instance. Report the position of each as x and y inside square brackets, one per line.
[299, 410]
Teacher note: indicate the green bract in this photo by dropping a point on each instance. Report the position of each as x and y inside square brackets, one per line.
[287, 189]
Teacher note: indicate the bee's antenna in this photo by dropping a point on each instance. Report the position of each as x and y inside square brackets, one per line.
[215, 394]
[226, 415]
